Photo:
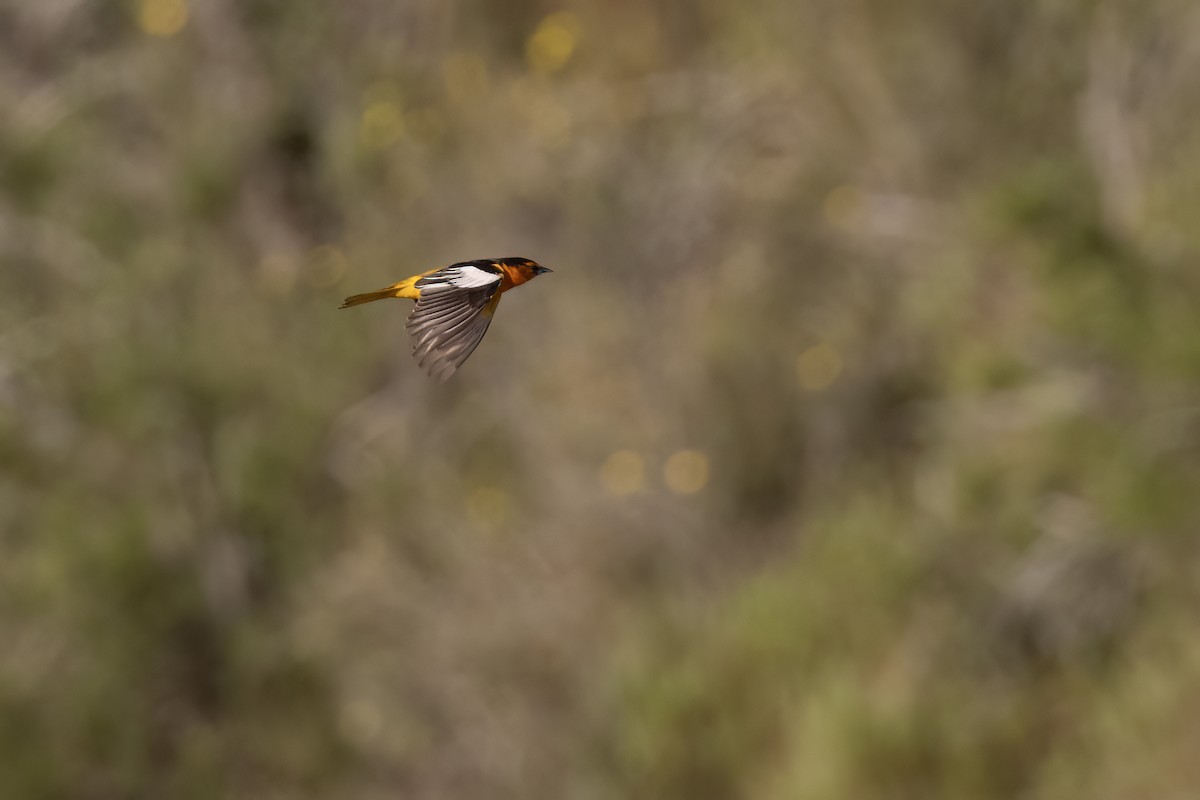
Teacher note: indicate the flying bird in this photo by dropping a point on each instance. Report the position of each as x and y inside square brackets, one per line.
[454, 307]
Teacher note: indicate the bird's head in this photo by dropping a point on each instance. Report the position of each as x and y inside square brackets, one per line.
[521, 270]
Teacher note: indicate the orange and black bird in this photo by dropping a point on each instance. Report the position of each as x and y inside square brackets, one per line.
[454, 307]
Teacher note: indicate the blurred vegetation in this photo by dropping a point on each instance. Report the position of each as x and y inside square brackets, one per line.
[851, 451]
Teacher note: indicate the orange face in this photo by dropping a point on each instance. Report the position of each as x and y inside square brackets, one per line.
[517, 271]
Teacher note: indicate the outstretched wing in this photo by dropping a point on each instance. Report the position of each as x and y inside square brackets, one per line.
[451, 315]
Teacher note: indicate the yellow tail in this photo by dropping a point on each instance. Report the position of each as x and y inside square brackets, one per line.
[402, 289]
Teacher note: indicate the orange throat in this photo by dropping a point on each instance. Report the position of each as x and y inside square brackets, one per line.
[513, 276]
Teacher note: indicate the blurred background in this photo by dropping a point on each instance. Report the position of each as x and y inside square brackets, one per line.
[851, 450]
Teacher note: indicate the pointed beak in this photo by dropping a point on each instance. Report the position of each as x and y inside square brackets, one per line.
[540, 270]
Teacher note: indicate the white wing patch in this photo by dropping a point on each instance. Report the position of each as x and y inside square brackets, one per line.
[467, 277]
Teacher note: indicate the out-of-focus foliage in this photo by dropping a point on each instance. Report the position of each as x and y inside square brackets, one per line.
[851, 451]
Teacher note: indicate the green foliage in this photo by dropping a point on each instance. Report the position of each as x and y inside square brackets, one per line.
[848, 452]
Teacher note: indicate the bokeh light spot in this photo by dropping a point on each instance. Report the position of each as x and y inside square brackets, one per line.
[624, 472]
[382, 124]
[327, 266]
[843, 207]
[686, 472]
[488, 505]
[819, 366]
[553, 42]
[162, 17]
[361, 721]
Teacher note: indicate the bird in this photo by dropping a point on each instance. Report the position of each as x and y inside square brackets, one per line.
[454, 308]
